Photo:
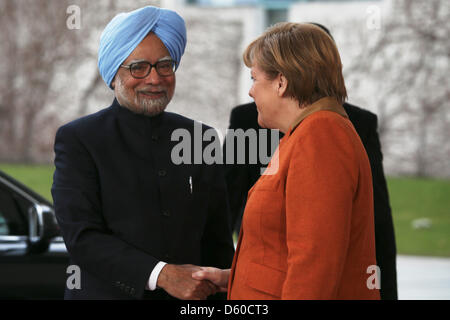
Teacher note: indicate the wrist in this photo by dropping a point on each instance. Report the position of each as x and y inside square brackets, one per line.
[225, 277]
[163, 276]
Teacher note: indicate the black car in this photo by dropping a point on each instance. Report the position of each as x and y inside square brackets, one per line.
[33, 257]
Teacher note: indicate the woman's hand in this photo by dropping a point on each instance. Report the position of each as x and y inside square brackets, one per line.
[219, 277]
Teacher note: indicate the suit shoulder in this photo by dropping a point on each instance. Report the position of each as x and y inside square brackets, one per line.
[244, 116]
[325, 122]
[355, 112]
[243, 109]
[86, 123]
[179, 121]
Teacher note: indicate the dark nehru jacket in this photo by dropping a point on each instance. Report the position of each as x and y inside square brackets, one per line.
[123, 205]
[241, 177]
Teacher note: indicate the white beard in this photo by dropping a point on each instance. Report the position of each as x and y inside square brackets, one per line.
[148, 107]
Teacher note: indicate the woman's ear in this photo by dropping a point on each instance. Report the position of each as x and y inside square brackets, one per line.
[282, 85]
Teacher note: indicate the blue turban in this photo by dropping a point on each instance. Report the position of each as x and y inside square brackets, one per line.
[126, 30]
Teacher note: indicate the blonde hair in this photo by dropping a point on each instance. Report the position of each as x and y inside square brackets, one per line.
[305, 55]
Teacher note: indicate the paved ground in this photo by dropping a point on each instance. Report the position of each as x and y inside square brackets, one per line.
[423, 278]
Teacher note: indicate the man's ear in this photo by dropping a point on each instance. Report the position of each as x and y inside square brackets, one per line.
[282, 85]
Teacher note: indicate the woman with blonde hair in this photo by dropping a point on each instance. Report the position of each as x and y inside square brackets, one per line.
[308, 225]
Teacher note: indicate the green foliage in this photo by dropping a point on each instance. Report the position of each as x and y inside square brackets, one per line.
[425, 199]
[37, 177]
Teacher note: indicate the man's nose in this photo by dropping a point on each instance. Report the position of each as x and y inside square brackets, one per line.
[153, 77]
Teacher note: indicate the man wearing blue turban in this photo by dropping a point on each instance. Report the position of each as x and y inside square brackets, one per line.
[135, 223]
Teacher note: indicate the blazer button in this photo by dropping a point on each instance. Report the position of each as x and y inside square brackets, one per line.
[162, 173]
[154, 137]
[166, 213]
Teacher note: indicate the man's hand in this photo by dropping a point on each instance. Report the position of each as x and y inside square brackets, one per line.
[218, 277]
[177, 281]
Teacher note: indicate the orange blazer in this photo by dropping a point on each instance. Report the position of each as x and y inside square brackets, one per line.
[308, 226]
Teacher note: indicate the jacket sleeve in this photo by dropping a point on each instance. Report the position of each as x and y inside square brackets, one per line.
[78, 207]
[320, 186]
[384, 228]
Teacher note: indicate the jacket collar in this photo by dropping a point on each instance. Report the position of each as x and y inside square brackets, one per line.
[136, 121]
[323, 104]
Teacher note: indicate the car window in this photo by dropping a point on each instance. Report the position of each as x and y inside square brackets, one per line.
[12, 218]
[4, 230]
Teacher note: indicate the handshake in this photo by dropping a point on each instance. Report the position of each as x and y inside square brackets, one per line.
[189, 282]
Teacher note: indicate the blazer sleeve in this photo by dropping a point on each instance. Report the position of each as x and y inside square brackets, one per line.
[384, 228]
[78, 207]
[320, 185]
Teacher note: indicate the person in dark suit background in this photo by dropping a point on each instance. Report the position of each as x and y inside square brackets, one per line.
[136, 223]
[241, 177]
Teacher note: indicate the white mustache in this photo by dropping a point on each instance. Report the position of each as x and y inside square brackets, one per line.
[152, 90]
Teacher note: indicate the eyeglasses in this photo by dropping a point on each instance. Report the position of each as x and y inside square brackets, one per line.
[142, 69]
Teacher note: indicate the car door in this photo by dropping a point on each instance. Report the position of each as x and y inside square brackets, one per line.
[26, 275]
